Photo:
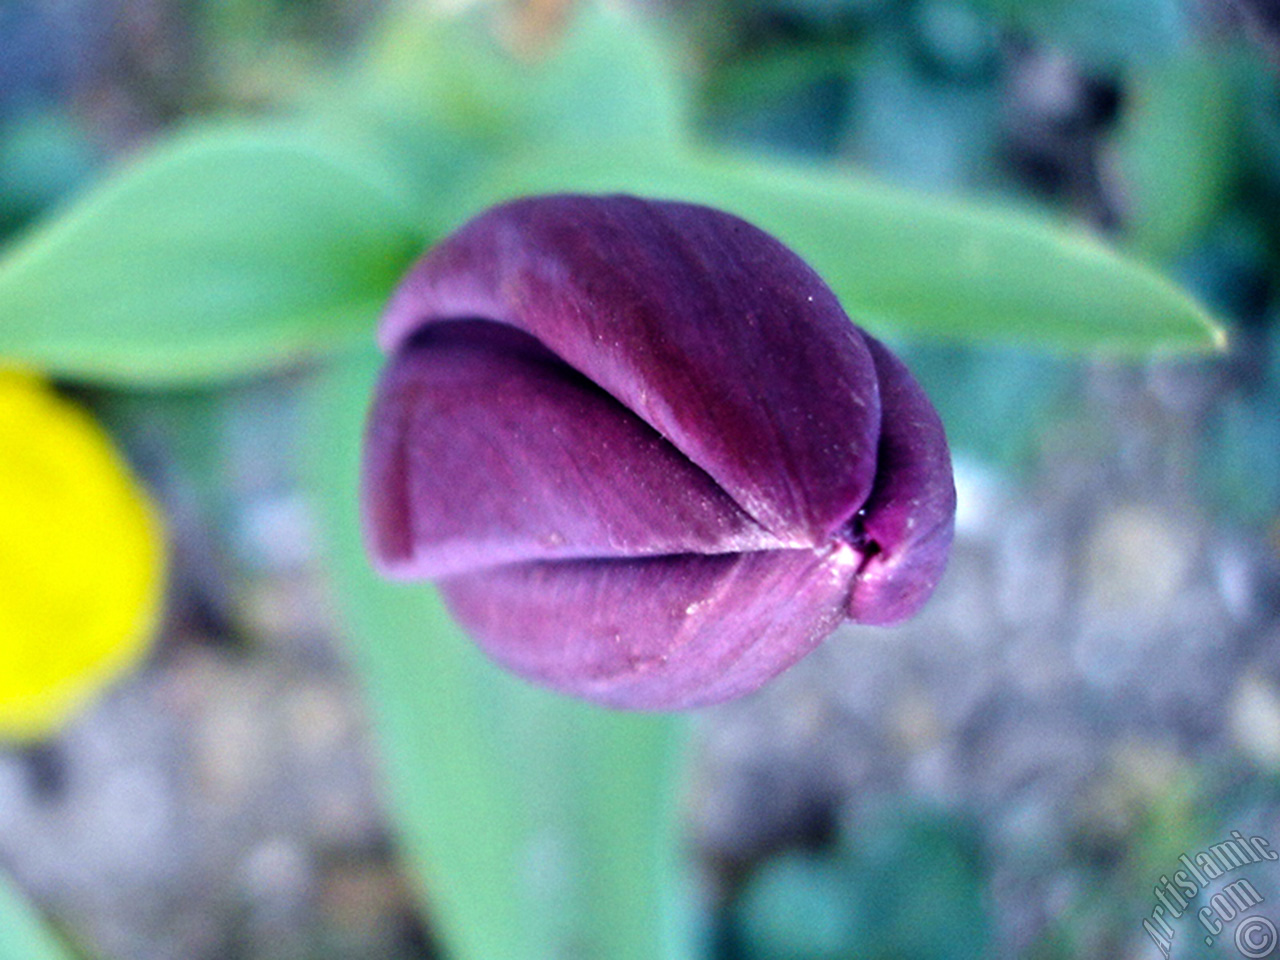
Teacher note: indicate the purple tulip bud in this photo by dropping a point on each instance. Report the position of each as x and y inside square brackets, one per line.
[645, 453]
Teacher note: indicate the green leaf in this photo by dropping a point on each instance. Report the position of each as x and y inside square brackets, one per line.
[223, 253]
[541, 827]
[435, 95]
[608, 75]
[907, 264]
[612, 77]
[23, 935]
[439, 68]
[1179, 152]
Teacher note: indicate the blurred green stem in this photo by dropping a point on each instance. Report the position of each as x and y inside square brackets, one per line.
[543, 828]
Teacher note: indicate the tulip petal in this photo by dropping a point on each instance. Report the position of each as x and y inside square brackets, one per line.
[664, 633]
[484, 449]
[909, 519]
[713, 332]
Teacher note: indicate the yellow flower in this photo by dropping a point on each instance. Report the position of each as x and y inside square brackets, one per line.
[81, 560]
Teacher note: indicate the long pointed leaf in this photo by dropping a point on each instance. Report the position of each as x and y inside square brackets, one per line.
[222, 253]
[907, 264]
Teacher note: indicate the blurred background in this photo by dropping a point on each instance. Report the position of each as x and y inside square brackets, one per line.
[1094, 690]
